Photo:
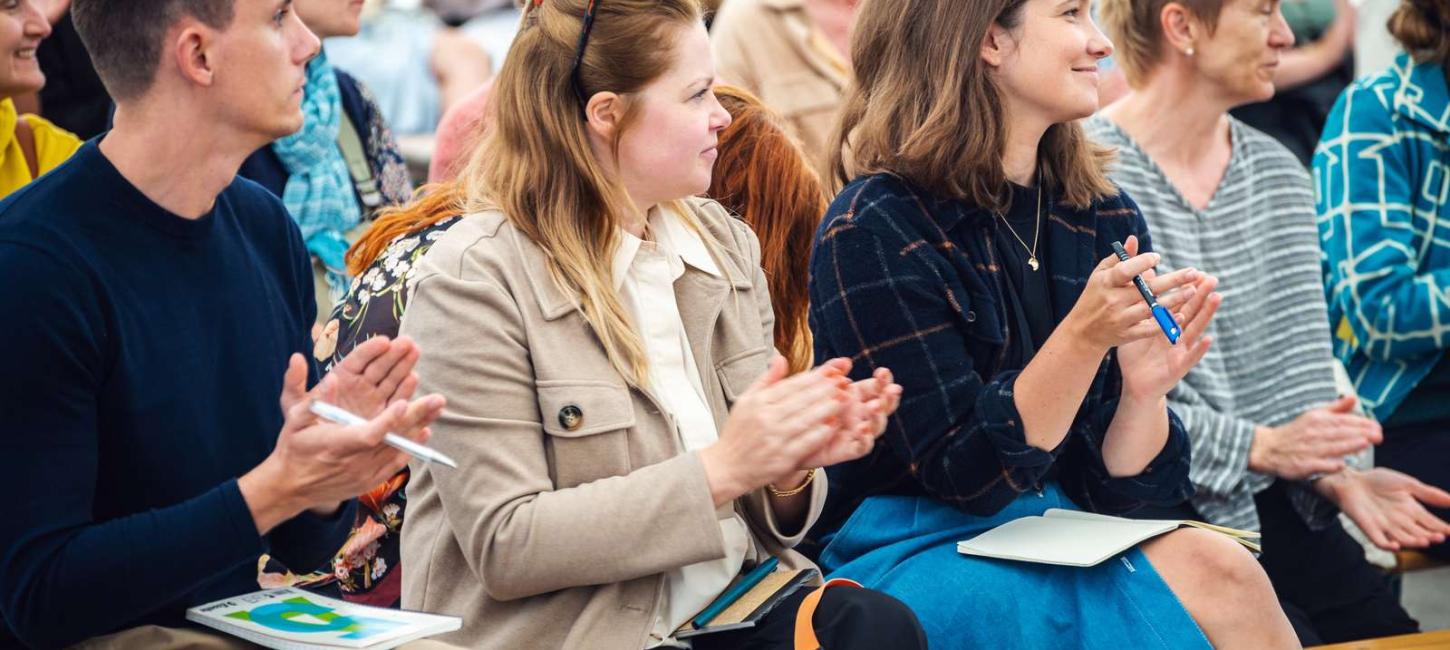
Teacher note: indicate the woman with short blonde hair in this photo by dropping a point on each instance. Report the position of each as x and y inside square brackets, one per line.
[1263, 411]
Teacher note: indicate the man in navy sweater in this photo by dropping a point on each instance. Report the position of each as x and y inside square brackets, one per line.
[156, 307]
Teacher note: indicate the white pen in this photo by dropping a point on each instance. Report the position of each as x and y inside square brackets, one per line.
[342, 416]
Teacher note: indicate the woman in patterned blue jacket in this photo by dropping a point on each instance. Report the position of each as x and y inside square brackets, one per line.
[972, 255]
[1383, 175]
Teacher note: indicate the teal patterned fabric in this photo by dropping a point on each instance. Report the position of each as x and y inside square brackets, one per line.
[319, 191]
[1382, 172]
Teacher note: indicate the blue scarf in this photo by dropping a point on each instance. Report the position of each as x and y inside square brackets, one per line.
[319, 191]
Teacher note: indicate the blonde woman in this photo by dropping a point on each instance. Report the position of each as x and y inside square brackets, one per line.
[628, 440]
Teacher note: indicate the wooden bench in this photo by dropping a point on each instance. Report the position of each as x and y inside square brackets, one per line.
[1421, 641]
[1407, 561]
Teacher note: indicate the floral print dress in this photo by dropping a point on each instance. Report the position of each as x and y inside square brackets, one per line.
[366, 569]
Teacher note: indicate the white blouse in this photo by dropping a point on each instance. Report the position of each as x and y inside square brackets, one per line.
[644, 275]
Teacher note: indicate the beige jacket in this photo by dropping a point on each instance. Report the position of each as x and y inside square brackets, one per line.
[769, 48]
[573, 495]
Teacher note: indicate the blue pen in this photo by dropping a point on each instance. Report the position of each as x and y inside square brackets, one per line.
[1160, 313]
[729, 597]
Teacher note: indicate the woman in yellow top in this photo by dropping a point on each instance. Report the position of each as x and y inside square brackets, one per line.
[29, 145]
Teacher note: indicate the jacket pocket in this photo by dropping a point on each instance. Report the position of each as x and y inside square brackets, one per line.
[737, 372]
[588, 425]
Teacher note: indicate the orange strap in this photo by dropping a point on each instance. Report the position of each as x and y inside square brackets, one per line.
[805, 630]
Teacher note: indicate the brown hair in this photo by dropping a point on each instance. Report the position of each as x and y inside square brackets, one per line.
[124, 37]
[763, 176]
[924, 107]
[1423, 27]
[1136, 28]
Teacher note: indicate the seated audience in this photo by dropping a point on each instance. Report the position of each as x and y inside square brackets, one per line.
[1381, 195]
[1269, 437]
[795, 56]
[157, 307]
[342, 166]
[628, 444]
[760, 175]
[29, 144]
[971, 254]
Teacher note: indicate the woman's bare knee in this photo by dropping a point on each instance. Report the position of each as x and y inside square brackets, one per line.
[1208, 558]
[1223, 588]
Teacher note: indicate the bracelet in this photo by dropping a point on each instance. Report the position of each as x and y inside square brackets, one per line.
[779, 494]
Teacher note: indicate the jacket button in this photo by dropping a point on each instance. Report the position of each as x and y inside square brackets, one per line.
[971, 317]
[570, 417]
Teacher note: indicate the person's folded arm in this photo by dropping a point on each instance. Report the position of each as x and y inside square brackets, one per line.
[65, 577]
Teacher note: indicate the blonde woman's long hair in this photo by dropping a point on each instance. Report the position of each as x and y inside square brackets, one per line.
[536, 164]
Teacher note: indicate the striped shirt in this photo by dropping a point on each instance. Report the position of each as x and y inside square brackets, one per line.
[1271, 359]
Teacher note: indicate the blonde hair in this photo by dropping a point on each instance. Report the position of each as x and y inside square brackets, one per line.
[924, 107]
[1136, 28]
[535, 163]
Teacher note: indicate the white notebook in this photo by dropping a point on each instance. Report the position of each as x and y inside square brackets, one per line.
[1075, 538]
[292, 619]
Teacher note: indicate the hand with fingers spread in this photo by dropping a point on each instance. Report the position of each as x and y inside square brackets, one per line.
[1316, 442]
[776, 428]
[317, 465]
[375, 374]
[1110, 312]
[1151, 366]
[1388, 506]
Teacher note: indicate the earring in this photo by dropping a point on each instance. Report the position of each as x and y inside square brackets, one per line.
[1189, 51]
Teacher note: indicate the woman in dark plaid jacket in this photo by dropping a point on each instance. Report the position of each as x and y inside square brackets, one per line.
[972, 255]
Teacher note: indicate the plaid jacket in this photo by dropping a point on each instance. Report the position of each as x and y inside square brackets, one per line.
[906, 281]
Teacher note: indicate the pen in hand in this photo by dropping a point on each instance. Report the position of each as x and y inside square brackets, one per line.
[342, 416]
[1160, 313]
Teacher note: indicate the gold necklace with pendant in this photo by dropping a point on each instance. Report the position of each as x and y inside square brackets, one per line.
[1036, 230]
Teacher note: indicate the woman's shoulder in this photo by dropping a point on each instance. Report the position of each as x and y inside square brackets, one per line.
[53, 145]
[475, 246]
[873, 197]
[726, 228]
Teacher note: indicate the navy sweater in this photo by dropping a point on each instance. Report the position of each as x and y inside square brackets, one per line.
[144, 359]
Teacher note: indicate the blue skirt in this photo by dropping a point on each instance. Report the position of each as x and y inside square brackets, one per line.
[907, 547]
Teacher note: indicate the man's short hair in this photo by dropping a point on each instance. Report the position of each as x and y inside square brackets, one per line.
[1136, 28]
[124, 37]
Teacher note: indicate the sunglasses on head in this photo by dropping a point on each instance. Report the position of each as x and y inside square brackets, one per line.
[574, 80]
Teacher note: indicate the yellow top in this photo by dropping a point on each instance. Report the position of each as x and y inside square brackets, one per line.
[53, 145]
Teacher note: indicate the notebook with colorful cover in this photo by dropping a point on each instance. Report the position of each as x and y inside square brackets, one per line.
[292, 619]
[1082, 539]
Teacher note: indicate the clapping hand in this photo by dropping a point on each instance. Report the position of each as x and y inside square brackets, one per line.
[1152, 366]
[1388, 506]
[376, 373]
